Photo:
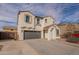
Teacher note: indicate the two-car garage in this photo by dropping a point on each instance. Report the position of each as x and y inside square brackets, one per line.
[32, 34]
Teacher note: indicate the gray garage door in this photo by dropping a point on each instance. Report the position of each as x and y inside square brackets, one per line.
[32, 34]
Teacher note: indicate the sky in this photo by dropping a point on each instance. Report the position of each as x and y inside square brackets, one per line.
[61, 12]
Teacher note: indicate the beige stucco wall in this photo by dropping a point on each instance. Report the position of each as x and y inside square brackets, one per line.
[49, 21]
[38, 26]
[22, 22]
[23, 25]
[46, 34]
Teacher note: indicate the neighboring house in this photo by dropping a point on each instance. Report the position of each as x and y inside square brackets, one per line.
[8, 32]
[9, 29]
[36, 27]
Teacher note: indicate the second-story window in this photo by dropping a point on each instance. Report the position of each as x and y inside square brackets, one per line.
[38, 21]
[45, 20]
[27, 18]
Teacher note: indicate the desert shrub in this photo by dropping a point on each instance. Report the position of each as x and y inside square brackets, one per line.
[67, 35]
[76, 32]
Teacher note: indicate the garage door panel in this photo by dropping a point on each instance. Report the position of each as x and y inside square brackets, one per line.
[32, 34]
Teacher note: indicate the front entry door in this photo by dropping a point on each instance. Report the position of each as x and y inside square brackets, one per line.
[53, 34]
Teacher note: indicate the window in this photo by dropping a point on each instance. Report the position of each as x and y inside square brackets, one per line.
[45, 20]
[38, 21]
[27, 18]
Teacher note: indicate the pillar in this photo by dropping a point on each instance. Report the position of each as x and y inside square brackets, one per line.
[42, 34]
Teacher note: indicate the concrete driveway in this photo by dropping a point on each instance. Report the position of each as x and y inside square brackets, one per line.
[39, 47]
[54, 47]
[16, 48]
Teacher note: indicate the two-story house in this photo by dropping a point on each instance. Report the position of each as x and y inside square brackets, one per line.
[36, 27]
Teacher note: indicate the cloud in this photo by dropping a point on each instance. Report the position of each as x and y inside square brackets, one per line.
[74, 18]
[60, 12]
